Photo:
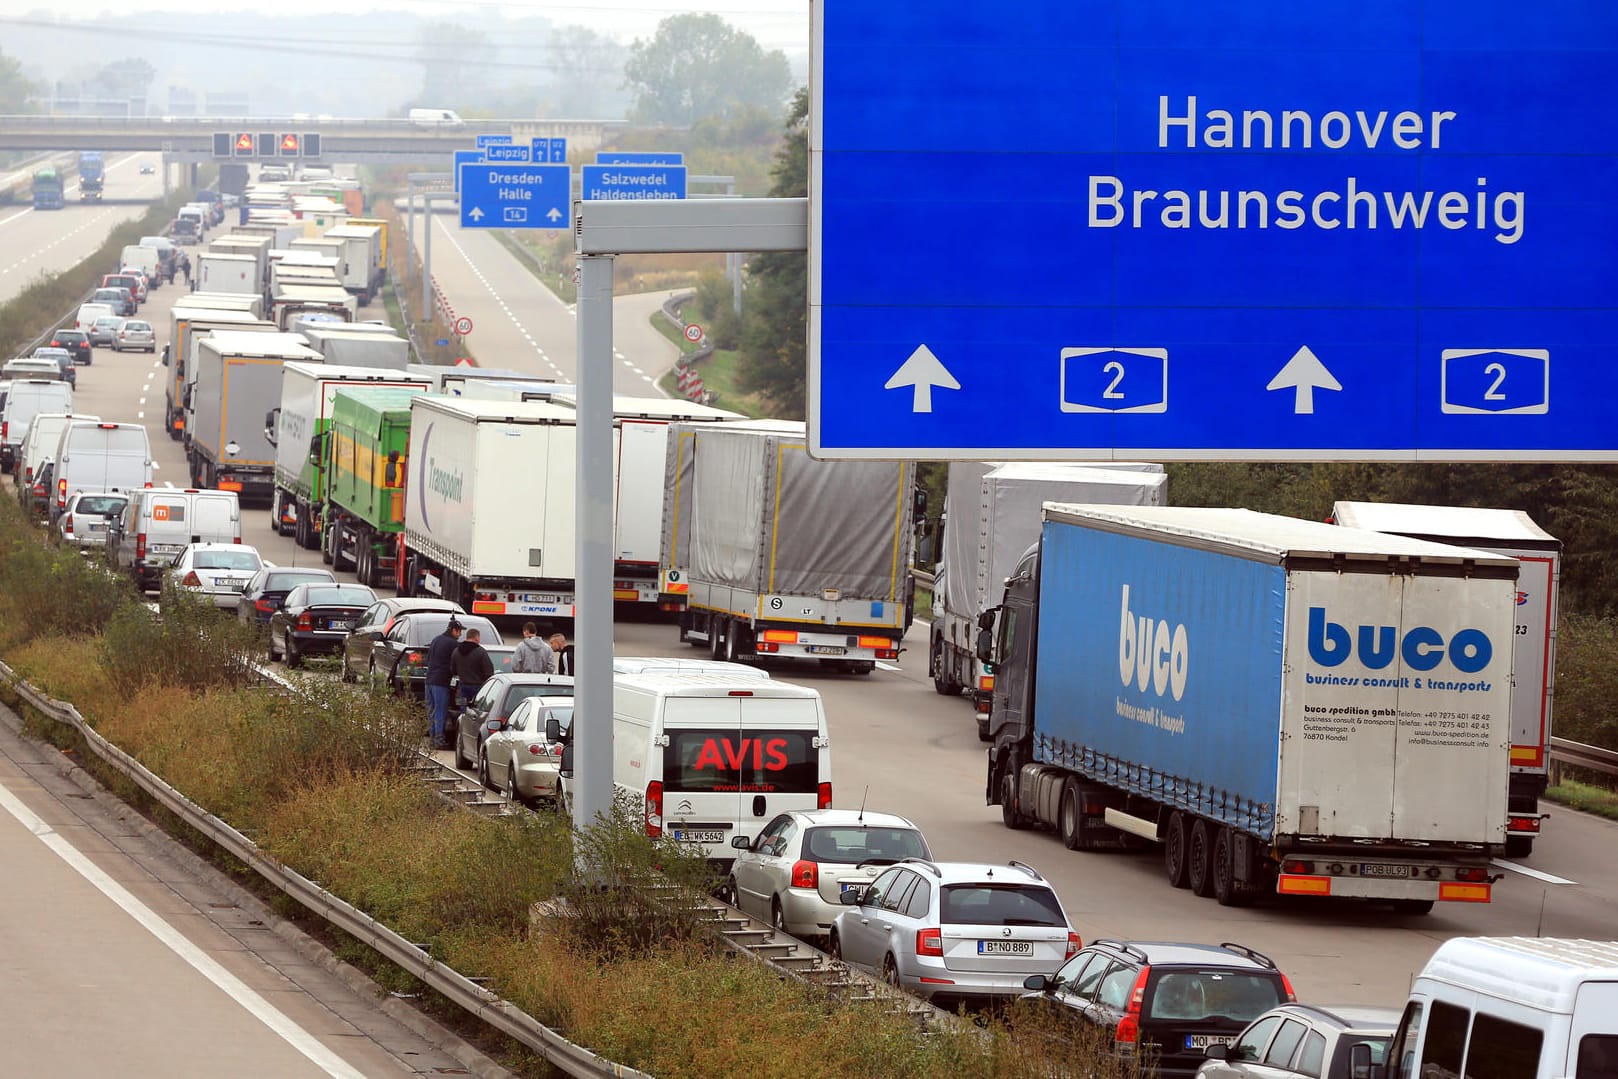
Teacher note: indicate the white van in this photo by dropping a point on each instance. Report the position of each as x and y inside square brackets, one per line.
[160, 521]
[93, 455]
[1508, 1007]
[27, 398]
[89, 312]
[38, 450]
[708, 757]
[436, 118]
[148, 260]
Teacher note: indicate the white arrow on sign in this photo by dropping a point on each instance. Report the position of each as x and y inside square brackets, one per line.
[554, 214]
[1305, 374]
[475, 213]
[922, 371]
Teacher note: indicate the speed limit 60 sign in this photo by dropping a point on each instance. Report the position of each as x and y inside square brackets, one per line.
[463, 326]
[693, 333]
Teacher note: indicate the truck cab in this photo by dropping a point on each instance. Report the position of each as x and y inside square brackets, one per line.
[1006, 648]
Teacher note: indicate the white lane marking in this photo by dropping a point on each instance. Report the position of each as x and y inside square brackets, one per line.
[1548, 878]
[881, 666]
[13, 217]
[204, 964]
[140, 415]
[142, 401]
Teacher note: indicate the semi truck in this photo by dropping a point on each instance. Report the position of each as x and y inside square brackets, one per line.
[348, 343]
[367, 454]
[1539, 554]
[47, 189]
[256, 248]
[991, 515]
[489, 513]
[290, 299]
[780, 555]
[382, 236]
[186, 323]
[296, 427]
[227, 273]
[92, 175]
[362, 257]
[235, 374]
[1285, 706]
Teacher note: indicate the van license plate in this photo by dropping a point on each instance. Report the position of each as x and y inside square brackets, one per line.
[1005, 947]
[827, 650]
[1202, 1041]
[1372, 869]
[704, 836]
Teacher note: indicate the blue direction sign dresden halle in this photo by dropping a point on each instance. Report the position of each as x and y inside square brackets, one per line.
[615, 182]
[639, 157]
[495, 196]
[1258, 229]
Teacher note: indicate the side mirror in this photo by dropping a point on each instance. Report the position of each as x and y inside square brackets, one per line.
[390, 475]
[741, 842]
[565, 770]
[553, 729]
[1037, 983]
[1359, 1063]
[852, 898]
[166, 355]
[986, 618]
[1217, 1051]
[985, 650]
[918, 504]
[272, 424]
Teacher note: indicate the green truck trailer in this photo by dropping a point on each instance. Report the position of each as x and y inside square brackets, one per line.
[366, 445]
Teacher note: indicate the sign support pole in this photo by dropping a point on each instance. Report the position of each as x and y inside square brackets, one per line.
[592, 622]
[427, 261]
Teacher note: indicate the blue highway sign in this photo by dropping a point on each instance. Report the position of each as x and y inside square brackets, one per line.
[552, 151]
[558, 151]
[610, 182]
[497, 196]
[639, 157]
[486, 141]
[1259, 229]
[464, 157]
[506, 152]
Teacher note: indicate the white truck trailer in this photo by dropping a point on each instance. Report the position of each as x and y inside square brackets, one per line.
[232, 274]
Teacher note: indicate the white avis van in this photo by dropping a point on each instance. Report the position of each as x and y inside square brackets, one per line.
[1509, 1008]
[710, 756]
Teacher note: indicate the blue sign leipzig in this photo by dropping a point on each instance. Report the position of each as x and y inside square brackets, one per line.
[495, 196]
[506, 152]
[616, 182]
[486, 141]
[1257, 229]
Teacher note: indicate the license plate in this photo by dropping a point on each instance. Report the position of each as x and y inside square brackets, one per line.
[230, 582]
[704, 836]
[845, 886]
[1202, 1041]
[342, 623]
[1005, 947]
[1371, 869]
[827, 649]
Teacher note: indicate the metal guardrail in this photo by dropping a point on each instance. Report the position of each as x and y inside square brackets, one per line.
[1565, 752]
[483, 1005]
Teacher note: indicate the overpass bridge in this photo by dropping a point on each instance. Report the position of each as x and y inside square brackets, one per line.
[192, 139]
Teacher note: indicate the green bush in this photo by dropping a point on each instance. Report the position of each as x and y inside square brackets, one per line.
[190, 645]
[52, 591]
[1587, 680]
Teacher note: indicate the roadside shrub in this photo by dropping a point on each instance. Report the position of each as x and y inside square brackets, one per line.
[190, 644]
[1587, 680]
[51, 591]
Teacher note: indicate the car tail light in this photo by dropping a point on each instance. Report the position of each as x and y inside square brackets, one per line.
[39, 489]
[1286, 983]
[654, 809]
[140, 546]
[191, 580]
[305, 622]
[5, 429]
[28, 475]
[412, 658]
[265, 605]
[537, 749]
[930, 942]
[823, 796]
[805, 874]
[67, 523]
[1073, 944]
[1128, 1032]
[61, 492]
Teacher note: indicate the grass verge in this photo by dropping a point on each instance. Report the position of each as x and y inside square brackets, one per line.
[1586, 797]
[719, 375]
[318, 777]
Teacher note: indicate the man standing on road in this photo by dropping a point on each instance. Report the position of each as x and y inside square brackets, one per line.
[472, 665]
[440, 659]
[533, 655]
[564, 654]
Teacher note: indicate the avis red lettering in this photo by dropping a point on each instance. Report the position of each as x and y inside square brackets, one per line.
[767, 754]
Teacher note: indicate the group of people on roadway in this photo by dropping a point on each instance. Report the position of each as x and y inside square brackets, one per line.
[466, 663]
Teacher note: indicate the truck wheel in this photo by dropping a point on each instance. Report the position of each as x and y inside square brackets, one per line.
[1071, 820]
[1200, 856]
[1175, 862]
[1008, 805]
[732, 649]
[1227, 890]
[718, 627]
[326, 536]
[943, 684]
[983, 727]
[1416, 907]
[1519, 846]
[338, 541]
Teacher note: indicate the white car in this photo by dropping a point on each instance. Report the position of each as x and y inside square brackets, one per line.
[217, 571]
[518, 758]
[135, 334]
[793, 874]
[84, 521]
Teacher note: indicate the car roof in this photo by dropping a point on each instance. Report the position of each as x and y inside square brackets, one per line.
[842, 817]
[327, 574]
[223, 547]
[1365, 1017]
[1172, 953]
[410, 604]
[979, 872]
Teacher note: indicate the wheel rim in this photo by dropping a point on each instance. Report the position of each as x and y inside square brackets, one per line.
[511, 784]
[778, 918]
[890, 971]
[483, 770]
[1223, 872]
[835, 947]
[1174, 850]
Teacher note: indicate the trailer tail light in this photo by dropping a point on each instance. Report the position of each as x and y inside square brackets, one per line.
[305, 622]
[654, 809]
[1523, 824]
[985, 683]
[930, 942]
[1073, 945]
[1464, 893]
[779, 636]
[875, 642]
[1127, 1036]
[805, 874]
[1477, 874]
[823, 796]
[191, 580]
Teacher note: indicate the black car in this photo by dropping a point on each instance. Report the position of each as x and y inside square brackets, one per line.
[77, 343]
[490, 709]
[1173, 1000]
[64, 362]
[316, 618]
[400, 655]
[269, 587]
[359, 649]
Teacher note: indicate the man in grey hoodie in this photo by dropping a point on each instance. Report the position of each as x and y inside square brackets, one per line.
[533, 655]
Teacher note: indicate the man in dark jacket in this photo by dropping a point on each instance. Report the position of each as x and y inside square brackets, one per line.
[564, 654]
[440, 659]
[472, 665]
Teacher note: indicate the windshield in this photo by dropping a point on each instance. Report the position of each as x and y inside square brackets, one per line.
[226, 560]
[340, 596]
[853, 844]
[290, 581]
[517, 694]
[1000, 904]
[101, 504]
[1201, 994]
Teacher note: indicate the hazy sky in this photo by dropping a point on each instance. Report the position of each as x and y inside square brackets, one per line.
[776, 24]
